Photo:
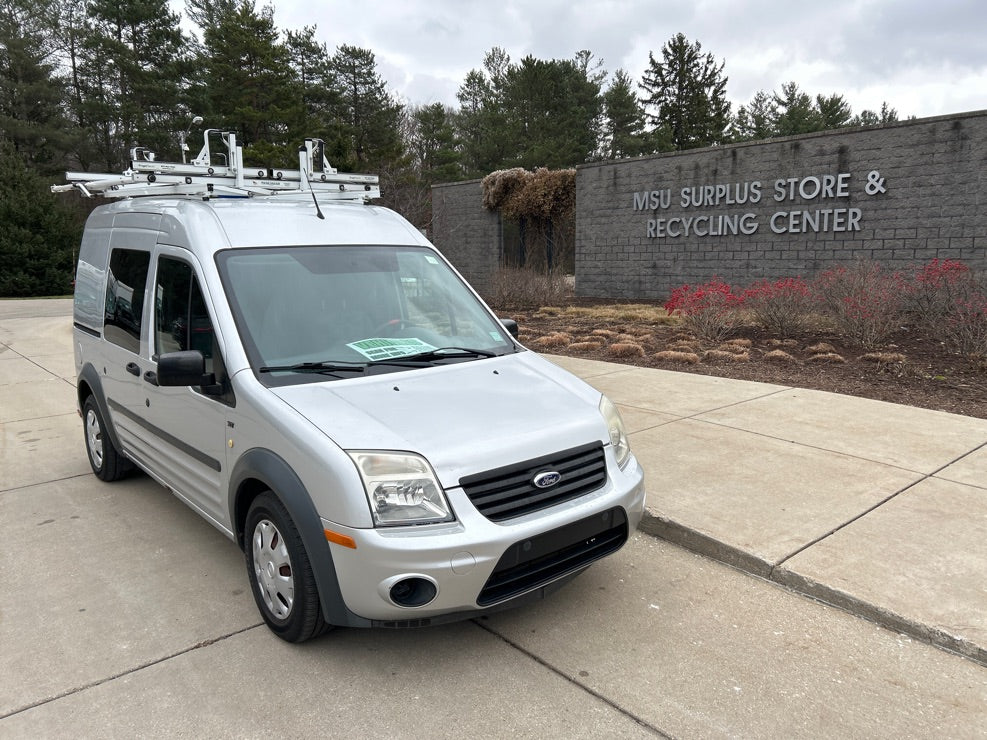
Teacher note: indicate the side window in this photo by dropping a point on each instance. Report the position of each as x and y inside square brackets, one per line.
[182, 321]
[124, 306]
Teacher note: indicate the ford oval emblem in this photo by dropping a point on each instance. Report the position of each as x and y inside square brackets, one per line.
[547, 479]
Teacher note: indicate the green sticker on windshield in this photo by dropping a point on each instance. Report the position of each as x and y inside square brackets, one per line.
[381, 348]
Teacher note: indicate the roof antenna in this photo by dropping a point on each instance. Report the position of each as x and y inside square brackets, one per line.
[304, 168]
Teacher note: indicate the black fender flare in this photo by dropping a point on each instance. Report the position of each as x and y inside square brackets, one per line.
[90, 376]
[277, 475]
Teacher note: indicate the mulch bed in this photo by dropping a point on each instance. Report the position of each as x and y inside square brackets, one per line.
[912, 369]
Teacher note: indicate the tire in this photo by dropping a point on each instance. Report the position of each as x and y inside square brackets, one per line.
[280, 573]
[106, 462]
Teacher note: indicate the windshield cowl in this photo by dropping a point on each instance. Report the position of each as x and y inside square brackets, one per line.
[441, 356]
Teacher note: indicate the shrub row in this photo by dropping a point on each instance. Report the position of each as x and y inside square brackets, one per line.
[863, 301]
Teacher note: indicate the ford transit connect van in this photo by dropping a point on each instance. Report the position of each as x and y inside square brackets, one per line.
[309, 374]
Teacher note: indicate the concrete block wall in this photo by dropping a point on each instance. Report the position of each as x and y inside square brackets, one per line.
[466, 233]
[900, 194]
[926, 198]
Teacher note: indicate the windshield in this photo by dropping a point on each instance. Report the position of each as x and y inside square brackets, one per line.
[337, 312]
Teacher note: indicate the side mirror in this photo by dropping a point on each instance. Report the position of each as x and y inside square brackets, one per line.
[511, 326]
[184, 368]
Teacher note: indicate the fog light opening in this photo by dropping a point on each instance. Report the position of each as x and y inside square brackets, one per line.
[411, 592]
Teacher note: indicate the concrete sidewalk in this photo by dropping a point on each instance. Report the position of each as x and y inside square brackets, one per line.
[872, 507]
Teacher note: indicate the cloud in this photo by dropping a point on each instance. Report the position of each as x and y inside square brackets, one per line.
[923, 58]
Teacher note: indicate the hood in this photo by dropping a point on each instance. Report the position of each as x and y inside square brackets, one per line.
[464, 418]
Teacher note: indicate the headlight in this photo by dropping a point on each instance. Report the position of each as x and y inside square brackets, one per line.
[401, 489]
[618, 435]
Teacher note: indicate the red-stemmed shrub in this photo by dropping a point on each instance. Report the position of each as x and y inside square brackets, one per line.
[965, 328]
[709, 310]
[783, 306]
[865, 301]
[936, 287]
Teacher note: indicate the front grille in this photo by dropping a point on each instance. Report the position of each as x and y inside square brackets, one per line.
[510, 491]
[535, 562]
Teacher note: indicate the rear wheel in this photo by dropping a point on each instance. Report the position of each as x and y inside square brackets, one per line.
[280, 573]
[106, 462]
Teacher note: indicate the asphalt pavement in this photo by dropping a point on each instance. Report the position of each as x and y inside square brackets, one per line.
[877, 509]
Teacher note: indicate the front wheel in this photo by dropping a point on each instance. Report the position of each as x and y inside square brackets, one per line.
[280, 573]
[106, 462]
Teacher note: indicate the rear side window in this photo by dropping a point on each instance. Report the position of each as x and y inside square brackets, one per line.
[124, 307]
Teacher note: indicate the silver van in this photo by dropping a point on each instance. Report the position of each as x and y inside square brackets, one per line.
[311, 376]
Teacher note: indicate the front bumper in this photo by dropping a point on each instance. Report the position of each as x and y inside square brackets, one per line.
[479, 566]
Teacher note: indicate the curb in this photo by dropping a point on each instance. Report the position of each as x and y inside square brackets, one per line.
[679, 534]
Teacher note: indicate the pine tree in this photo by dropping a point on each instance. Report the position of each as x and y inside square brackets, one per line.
[431, 142]
[755, 121]
[249, 85]
[687, 91]
[312, 67]
[796, 113]
[834, 111]
[32, 93]
[551, 109]
[128, 61]
[624, 132]
[366, 110]
[481, 124]
[38, 231]
[870, 118]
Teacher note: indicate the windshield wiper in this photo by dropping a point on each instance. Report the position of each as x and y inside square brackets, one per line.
[327, 367]
[422, 359]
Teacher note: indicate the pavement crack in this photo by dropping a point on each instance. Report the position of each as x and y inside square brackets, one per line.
[561, 674]
[129, 671]
[878, 505]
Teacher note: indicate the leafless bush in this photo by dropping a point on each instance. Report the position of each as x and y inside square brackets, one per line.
[965, 328]
[864, 301]
[784, 306]
[520, 288]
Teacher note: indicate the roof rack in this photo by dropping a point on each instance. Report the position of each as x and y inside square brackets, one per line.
[202, 178]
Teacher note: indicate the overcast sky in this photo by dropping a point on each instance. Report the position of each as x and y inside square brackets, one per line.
[924, 57]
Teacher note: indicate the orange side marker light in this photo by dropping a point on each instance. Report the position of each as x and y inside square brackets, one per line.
[340, 539]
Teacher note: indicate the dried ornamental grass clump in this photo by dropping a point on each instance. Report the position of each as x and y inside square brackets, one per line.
[546, 312]
[820, 348]
[779, 355]
[884, 358]
[558, 339]
[718, 355]
[744, 343]
[626, 349]
[585, 347]
[736, 346]
[822, 357]
[686, 358]
[684, 346]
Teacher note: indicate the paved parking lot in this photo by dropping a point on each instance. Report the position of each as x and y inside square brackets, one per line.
[123, 614]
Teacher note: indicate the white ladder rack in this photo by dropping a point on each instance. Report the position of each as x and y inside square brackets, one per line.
[147, 177]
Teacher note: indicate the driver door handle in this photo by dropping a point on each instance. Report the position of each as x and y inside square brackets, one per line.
[133, 368]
